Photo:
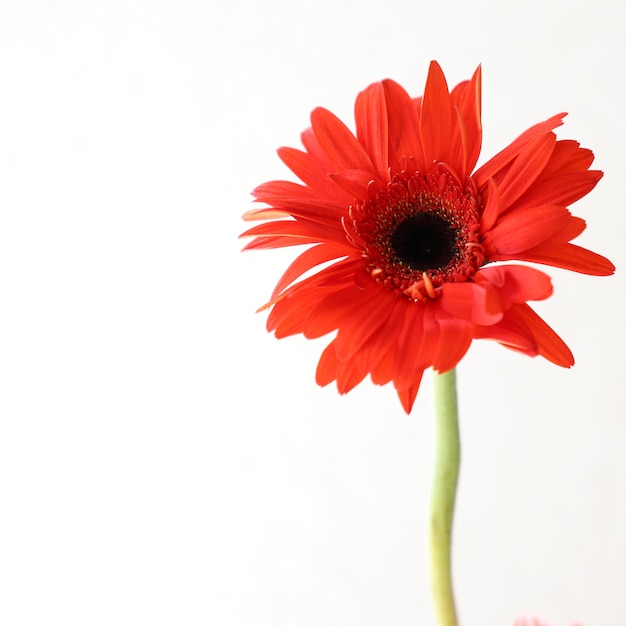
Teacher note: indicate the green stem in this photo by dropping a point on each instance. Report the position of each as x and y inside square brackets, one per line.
[446, 472]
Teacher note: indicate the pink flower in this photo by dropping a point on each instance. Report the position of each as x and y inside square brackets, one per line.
[532, 621]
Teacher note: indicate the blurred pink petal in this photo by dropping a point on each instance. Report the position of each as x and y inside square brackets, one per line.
[532, 621]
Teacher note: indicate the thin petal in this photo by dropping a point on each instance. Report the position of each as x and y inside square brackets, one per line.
[307, 260]
[389, 346]
[299, 199]
[411, 332]
[571, 257]
[364, 321]
[525, 229]
[436, 118]
[407, 396]
[372, 126]
[349, 374]
[503, 158]
[563, 189]
[298, 231]
[549, 344]
[567, 157]
[466, 99]
[327, 366]
[492, 207]
[403, 128]
[526, 167]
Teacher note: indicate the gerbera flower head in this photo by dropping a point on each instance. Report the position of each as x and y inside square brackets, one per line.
[409, 235]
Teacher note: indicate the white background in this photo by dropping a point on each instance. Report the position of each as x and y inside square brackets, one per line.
[165, 461]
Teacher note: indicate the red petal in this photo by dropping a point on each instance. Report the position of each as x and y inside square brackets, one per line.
[549, 344]
[327, 366]
[411, 331]
[364, 321]
[571, 257]
[372, 126]
[567, 157]
[313, 173]
[503, 158]
[466, 98]
[299, 199]
[472, 302]
[563, 189]
[455, 338]
[526, 167]
[354, 182]
[523, 229]
[327, 310]
[388, 347]
[307, 260]
[403, 130]
[407, 396]
[299, 231]
[349, 374]
[492, 208]
[436, 117]
[517, 283]
[340, 145]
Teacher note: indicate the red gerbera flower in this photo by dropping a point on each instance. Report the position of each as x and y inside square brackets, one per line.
[408, 234]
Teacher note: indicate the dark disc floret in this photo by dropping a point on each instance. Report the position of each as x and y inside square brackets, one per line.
[419, 232]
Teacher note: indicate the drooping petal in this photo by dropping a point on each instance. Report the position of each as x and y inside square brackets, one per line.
[364, 321]
[330, 309]
[411, 336]
[455, 338]
[472, 302]
[517, 283]
[349, 374]
[327, 366]
[549, 344]
[291, 310]
[407, 396]
[388, 345]
[523, 330]
[571, 257]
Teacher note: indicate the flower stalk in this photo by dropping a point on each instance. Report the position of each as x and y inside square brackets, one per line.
[445, 478]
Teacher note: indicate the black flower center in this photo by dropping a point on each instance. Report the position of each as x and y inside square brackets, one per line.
[419, 232]
[424, 241]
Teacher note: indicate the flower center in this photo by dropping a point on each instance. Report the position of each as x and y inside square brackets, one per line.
[419, 232]
[424, 241]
